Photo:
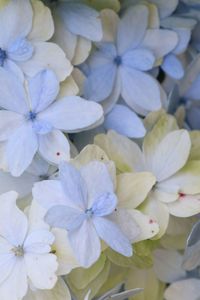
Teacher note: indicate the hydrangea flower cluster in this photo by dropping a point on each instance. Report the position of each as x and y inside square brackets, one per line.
[99, 149]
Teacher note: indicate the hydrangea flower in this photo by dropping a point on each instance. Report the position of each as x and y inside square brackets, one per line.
[165, 153]
[25, 28]
[123, 59]
[32, 121]
[82, 203]
[25, 256]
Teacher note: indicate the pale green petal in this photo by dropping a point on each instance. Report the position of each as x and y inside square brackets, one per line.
[81, 278]
[133, 188]
[154, 20]
[94, 286]
[195, 148]
[166, 195]
[170, 155]
[102, 4]
[161, 125]
[146, 279]
[125, 153]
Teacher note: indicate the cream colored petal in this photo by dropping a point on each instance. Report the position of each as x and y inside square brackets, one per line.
[110, 23]
[42, 26]
[133, 188]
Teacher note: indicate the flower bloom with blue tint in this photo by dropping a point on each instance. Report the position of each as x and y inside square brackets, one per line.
[32, 121]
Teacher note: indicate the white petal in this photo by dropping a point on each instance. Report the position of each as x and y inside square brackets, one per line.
[15, 21]
[13, 222]
[158, 211]
[126, 38]
[11, 88]
[148, 226]
[38, 242]
[83, 239]
[141, 89]
[42, 23]
[171, 154]
[43, 89]
[22, 185]
[54, 147]
[73, 184]
[21, 148]
[168, 265]
[154, 36]
[9, 121]
[59, 292]
[186, 206]
[49, 193]
[16, 285]
[81, 20]
[184, 290]
[125, 121]
[112, 235]
[72, 114]
[97, 179]
[7, 260]
[47, 55]
[41, 270]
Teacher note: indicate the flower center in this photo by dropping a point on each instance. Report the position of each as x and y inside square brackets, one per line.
[2, 56]
[18, 251]
[118, 60]
[89, 212]
[31, 116]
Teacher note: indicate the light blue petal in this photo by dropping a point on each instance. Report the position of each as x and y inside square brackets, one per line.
[104, 205]
[129, 33]
[12, 94]
[173, 67]
[43, 88]
[166, 8]
[73, 185]
[20, 149]
[99, 84]
[105, 55]
[183, 29]
[140, 89]
[81, 20]
[42, 127]
[85, 243]
[20, 50]
[112, 235]
[194, 90]
[125, 121]
[141, 59]
[65, 217]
